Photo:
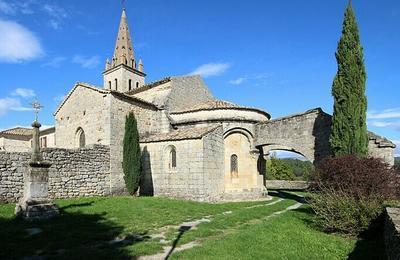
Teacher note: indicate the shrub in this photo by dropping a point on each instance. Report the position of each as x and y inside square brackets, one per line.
[349, 192]
[338, 211]
[359, 177]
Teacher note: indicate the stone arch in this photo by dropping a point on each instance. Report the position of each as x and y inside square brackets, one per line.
[242, 131]
[80, 138]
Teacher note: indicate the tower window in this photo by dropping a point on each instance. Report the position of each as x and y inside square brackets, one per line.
[109, 84]
[234, 165]
[137, 84]
[116, 84]
[130, 84]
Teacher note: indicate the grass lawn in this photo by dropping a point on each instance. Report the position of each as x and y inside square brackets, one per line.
[88, 228]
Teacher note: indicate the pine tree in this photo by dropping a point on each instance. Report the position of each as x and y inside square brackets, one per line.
[131, 163]
[349, 128]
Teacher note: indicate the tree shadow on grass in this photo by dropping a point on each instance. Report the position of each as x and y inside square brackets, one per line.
[286, 195]
[70, 235]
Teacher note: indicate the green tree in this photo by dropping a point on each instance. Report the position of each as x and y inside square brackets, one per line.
[349, 128]
[278, 170]
[131, 163]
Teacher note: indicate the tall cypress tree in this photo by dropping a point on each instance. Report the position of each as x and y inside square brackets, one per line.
[131, 163]
[349, 128]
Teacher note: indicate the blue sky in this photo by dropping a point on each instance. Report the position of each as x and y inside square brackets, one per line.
[275, 55]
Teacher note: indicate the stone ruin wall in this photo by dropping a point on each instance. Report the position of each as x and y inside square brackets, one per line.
[74, 172]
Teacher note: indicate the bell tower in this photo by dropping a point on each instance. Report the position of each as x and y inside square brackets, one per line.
[123, 73]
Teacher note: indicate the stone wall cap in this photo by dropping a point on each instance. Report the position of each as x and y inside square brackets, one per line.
[317, 110]
[380, 140]
[180, 134]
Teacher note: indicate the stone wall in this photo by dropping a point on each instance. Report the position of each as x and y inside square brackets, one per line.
[213, 150]
[148, 119]
[15, 144]
[306, 134]
[286, 185]
[199, 171]
[74, 173]
[85, 108]
[392, 233]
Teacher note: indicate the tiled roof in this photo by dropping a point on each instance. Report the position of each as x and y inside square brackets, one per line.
[180, 134]
[219, 104]
[21, 131]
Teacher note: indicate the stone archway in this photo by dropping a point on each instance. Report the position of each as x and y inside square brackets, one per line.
[306, 134]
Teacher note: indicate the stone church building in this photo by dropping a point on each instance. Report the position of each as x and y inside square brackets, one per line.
[194, 146]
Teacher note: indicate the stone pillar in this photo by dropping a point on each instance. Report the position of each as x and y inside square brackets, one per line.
[35, 204]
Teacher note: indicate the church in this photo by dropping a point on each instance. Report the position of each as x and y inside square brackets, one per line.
[194, 146]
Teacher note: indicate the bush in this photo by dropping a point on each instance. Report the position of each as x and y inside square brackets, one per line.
[349, 192]
[337, 211]
[359, 177]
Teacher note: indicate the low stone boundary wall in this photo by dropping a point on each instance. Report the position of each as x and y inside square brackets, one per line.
[74, 172]
[392, 233]
[286, 185]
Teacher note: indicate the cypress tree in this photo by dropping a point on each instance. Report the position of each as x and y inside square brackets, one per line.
[349, 128]
[131, 163]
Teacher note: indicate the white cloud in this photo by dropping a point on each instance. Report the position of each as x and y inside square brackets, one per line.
[57, 13]
[55, 62]
[24, 92]
[384, 124]
[385, 114]
[18, 43]
[210, 69]
[237, 81]
[87, 62]
[11, 104]
[6, 8]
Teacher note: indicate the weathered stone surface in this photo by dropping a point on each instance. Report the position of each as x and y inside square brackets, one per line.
[392, 233]
[287, 185]
[73, 173]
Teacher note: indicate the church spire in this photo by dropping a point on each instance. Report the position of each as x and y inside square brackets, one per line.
[123, 53]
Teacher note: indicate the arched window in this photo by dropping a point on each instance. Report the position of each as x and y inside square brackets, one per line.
[81, 139]
[137, 84]
[172, 159]
[234, 165]
[130, 85]
[109, 84]
[116, 84]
